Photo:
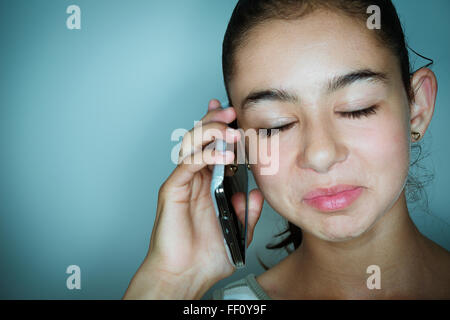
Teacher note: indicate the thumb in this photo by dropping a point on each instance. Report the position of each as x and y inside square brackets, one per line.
[255, 204]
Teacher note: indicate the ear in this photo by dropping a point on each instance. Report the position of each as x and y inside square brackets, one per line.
[424, 85]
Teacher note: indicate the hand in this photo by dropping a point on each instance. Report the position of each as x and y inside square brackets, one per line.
[187, 255]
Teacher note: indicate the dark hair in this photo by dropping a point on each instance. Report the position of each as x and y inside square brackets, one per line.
[250, 13]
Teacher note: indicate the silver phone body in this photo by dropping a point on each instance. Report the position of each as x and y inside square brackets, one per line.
[224, 184]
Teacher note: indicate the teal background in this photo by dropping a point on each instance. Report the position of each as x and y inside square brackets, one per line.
[86, 118]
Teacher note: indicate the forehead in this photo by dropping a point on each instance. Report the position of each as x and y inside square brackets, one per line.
[306, 52]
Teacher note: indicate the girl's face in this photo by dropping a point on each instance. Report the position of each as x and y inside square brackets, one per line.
[328, 65]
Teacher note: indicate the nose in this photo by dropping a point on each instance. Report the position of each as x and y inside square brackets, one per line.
[322, 147]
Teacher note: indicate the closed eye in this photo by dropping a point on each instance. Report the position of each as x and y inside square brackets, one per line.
[268, 132]
[360, 113]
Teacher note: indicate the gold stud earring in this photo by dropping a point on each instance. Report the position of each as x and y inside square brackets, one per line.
[416, 135]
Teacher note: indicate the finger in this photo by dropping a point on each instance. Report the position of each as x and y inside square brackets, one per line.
[185, 171]
[256, 200]
[226, 115]
[177, 186]
[255, 205]
[198, 137]
[238, 203]
[213, 104]
[217, 113]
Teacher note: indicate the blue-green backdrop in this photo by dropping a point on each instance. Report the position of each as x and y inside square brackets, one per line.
[86, 118]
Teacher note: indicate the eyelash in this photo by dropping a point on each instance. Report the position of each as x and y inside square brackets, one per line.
[359, 113]
[352, 115]
[268, 131]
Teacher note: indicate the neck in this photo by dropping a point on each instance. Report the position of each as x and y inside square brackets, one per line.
[393, 244]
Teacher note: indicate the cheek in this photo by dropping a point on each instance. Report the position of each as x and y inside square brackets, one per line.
[272, 176]
[385, 150]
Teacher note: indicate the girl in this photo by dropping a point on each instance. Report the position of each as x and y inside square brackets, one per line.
[348, 110]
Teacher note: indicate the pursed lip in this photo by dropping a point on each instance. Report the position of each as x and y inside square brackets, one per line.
[320, 192]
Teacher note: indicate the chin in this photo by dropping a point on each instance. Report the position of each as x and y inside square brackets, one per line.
[342, 228]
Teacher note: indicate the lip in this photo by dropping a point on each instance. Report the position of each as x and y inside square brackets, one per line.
[328, 191]
[334, 198]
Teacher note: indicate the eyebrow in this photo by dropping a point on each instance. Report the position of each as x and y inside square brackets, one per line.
[334, 84]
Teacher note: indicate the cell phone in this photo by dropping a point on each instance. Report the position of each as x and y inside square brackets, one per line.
[229, 184]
